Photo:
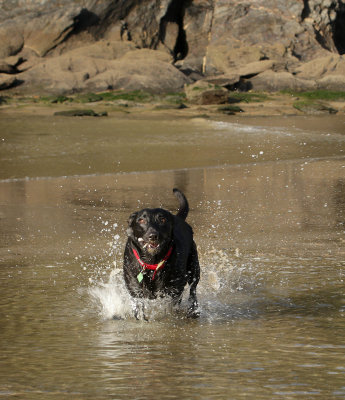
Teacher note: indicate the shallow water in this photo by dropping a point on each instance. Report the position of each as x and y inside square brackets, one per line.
[267, 204]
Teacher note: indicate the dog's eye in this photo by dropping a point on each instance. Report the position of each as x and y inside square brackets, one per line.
[162, 220]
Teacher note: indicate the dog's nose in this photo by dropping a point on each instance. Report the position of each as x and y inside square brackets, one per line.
[153, 236]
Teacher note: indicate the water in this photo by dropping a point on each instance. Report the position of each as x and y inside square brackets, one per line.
[268, 211]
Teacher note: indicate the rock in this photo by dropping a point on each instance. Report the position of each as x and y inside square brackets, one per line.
[193, 91]
[44, 32]
[224, 80]
[180, 106]
[205, 37]
[6, 68]
[188, 70]
[11, 39]
[80, 113]
[254, 68]
[230, 109]
[332, 64]
[331, 82]
[198, 25]
[104, 49]
[143, 55]
[214, 96]
[62, 75]
[222, 59]
[202, 92]
[140, 70]
[8, 81]
[240, 32]
[311, 107]
[169, 36]
[274, 81]
[67, 72]
[24, 60]
[58, 99]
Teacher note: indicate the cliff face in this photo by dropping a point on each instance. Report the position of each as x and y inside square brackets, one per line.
[63, 46]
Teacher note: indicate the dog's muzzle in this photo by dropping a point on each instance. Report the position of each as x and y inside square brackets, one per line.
[150, 244]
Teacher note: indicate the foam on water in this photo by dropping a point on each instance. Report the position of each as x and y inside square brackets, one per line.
[223, 127]
[257, 129]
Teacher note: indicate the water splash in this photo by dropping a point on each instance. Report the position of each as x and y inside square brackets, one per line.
[114, 302]
[112, 298]
[227, 280]
[223, 278]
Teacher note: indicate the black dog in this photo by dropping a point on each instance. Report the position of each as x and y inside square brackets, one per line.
[161, 256]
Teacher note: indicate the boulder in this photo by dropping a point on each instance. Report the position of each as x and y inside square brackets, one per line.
[274, 81]
[7, 68]
[140, 70]
[143, 55]
[11, 39]
[137, 70]
[203, 92]
[24, 60]
[224, 80]
[80, 113]
[311, 107]
[7, 81]
[214, 96]
[45, 31]
[254, 68]
[60, 75]
[225, 59]
[331, 82]
[332, 64]
[104, 49]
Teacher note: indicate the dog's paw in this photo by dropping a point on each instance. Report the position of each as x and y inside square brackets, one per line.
[139, 311]
[193, 312]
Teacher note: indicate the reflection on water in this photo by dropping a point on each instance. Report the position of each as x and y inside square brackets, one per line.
[271, 239]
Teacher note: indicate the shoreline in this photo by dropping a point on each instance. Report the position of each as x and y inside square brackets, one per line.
[175, 105]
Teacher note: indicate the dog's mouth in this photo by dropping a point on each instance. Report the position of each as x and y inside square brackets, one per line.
[151, 245]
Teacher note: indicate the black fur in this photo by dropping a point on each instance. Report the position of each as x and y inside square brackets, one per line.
[152, 232]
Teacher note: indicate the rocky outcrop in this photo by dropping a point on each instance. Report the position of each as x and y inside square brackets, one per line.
[275, 81]
[160, 45]
[76, 71]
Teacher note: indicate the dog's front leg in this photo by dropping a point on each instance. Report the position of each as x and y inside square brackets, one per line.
[193, 306]
[193, 280]
[138, 307]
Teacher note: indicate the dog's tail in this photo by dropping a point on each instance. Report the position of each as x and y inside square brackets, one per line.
[183, 204]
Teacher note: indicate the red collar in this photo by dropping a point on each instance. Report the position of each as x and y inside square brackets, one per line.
[153, 267]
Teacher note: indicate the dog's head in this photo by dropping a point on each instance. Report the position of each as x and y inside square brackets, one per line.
[151, 229]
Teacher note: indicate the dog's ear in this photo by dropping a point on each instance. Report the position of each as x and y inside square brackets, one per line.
[131, 219]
